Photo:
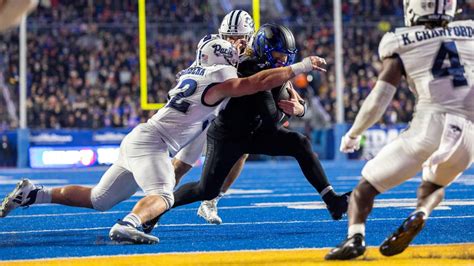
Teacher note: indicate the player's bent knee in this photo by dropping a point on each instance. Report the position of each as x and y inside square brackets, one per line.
[100, 201]
[100, 204]
[304, 141]
[366, 188]
[302, 144]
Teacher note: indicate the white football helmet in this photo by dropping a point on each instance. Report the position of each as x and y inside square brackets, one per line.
[217, 52]
[237, 23]
[421, 11]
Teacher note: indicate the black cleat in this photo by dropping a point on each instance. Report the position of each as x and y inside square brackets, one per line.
[339, 206]
[350, 248]
[150, 225]
[400, 239]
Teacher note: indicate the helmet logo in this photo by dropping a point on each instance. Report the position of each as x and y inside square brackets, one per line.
[249, 22]
[221, 51]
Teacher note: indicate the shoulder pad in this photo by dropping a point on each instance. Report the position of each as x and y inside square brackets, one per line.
[221, 73]
[206, 38]
[388, 45]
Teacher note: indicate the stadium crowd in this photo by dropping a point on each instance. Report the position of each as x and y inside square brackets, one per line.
[83, 66]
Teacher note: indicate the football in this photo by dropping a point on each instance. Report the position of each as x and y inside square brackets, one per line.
[282, 93]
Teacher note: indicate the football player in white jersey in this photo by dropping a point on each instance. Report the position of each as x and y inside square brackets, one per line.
[237, 27]
[436, 57]
[144, 159]
[11, 12]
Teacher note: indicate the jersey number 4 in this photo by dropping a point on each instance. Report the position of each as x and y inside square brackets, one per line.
[188, 87]
[456, 70]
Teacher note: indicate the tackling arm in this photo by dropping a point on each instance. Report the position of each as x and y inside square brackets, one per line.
[264, 80]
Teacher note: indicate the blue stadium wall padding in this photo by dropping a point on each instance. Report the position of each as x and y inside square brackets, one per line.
[339, 131]
[23, 143]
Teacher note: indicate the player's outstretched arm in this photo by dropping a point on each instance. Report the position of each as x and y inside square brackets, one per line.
[375, 104]
[264, 80]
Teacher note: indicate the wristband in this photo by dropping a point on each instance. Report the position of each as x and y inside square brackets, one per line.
[302, 67]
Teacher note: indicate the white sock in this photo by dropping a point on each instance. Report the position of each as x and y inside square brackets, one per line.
[44, 195]
[133, 219]
[422, 209]
[356, 229]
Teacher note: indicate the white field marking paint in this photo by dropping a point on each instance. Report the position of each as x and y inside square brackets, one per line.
[302, 205]
[248, 191]
[63, 214]
[382, 203]
[229, 192]
[243, 196]
[36, 181]
[467, 180]
[223, 224]
[316, 194]
[464, 179]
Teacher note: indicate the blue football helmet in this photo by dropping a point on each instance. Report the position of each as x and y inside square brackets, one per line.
[278, 38]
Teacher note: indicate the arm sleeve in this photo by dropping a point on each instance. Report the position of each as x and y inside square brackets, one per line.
[373, 107]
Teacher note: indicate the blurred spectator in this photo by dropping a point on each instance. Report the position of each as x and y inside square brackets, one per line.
[6, 152]
[83, 63]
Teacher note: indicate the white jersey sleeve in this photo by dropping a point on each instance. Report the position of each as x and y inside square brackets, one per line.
[225, 73]
[388, 45]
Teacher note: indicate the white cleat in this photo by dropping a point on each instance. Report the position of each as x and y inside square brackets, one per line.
[126, 233]
[208, 211]
[19, 197]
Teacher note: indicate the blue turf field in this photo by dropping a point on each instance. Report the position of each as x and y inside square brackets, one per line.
[271, 206]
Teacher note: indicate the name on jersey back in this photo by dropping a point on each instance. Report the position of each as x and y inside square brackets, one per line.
[418, 36]
[194, 71]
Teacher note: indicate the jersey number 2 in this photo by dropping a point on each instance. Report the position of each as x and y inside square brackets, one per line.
[456, 70]
[189, 87]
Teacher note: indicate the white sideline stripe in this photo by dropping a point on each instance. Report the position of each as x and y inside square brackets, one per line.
[118, 212]
[224, 224]
[63, 214]
[312, 205]
[273, 195]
